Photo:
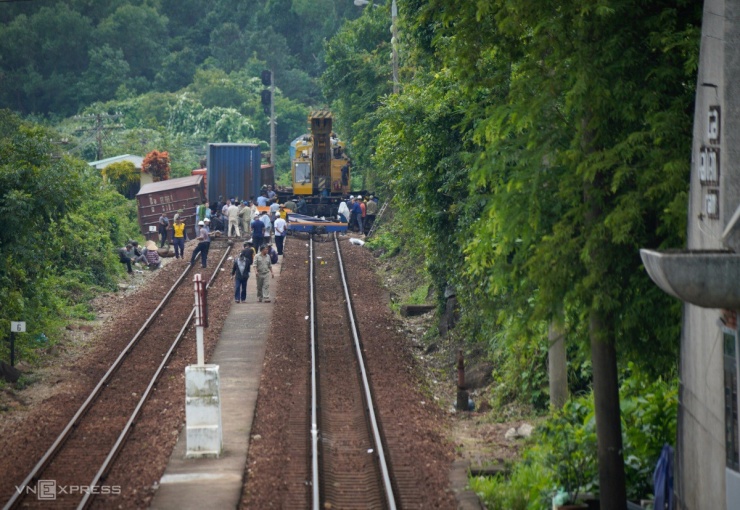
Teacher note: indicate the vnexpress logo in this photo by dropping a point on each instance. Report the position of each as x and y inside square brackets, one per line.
[46, 490]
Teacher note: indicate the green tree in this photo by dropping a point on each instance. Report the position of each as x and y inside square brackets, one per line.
[69, 224]
[228, 47]
[107, 71]
[63, 36]
[585, 163]
[121, 175]
[140, 32]
[177, 70]
[356, 79]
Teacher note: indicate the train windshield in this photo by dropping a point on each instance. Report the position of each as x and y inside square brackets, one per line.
[303, 172]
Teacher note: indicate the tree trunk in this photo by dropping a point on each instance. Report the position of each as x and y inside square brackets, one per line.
[613, 493]
[612, 488]
[557, 365]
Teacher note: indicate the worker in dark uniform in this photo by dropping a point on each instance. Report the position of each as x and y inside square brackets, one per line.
[204, 244]
[300, 206]
[345, 175]
[164, 226]
[240, 273]
[123, 256]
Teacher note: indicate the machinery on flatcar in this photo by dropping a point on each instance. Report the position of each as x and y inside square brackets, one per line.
[320, 167]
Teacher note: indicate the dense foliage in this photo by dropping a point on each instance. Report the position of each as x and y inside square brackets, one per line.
[129, 77]
[58, 243]
[58, 57]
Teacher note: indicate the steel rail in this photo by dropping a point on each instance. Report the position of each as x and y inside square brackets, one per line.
[64, 435]
[366, 386]
[115, 450]
[314, 396]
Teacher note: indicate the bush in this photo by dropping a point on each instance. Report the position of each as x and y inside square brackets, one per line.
[62, 249]
[523, 491]
[564, 455]
[649, 410]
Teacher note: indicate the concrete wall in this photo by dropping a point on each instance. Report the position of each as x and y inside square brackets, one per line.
[701, 476]
[146, 178]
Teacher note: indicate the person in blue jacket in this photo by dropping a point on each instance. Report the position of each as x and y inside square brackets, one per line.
[357, 212]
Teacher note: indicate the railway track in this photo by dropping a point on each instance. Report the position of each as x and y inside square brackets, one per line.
[349, 468]
[70, 473]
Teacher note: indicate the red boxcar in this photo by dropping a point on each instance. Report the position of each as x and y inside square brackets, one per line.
[168, 197]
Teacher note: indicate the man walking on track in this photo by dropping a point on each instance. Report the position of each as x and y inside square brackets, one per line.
[204, 245]
[264, 268]
[233, 214]
[258, 232]
[201, 213]
[240, 273]
[280, 226]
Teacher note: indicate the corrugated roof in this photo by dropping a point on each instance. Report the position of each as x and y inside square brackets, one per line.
[155, 187]
[100, 164]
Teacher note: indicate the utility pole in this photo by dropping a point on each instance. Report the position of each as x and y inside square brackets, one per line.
[268, 103]
[99, 128]
[273, 124]
[394, 44]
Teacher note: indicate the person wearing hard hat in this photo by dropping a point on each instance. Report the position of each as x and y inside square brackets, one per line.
[204, 243]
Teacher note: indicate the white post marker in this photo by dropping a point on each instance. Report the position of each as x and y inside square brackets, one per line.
[201, 319]
[204, 432]
[15, 327]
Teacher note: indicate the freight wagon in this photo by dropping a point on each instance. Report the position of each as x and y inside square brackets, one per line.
[167, 197]
[235, 170]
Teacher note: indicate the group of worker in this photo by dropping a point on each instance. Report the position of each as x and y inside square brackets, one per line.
[359, 213]
[234, 217]
[255, 252]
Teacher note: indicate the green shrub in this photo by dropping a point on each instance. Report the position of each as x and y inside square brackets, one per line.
[649, 411]
[563, 453]
[63, 249]
[522, 491]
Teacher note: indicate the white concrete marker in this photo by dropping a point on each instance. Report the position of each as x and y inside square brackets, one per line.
[203, 411]
[204, 432]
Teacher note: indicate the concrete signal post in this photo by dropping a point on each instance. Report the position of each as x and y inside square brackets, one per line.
[202, 391]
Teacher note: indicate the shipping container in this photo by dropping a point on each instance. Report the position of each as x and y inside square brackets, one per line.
[168, 197]
[234, 170]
